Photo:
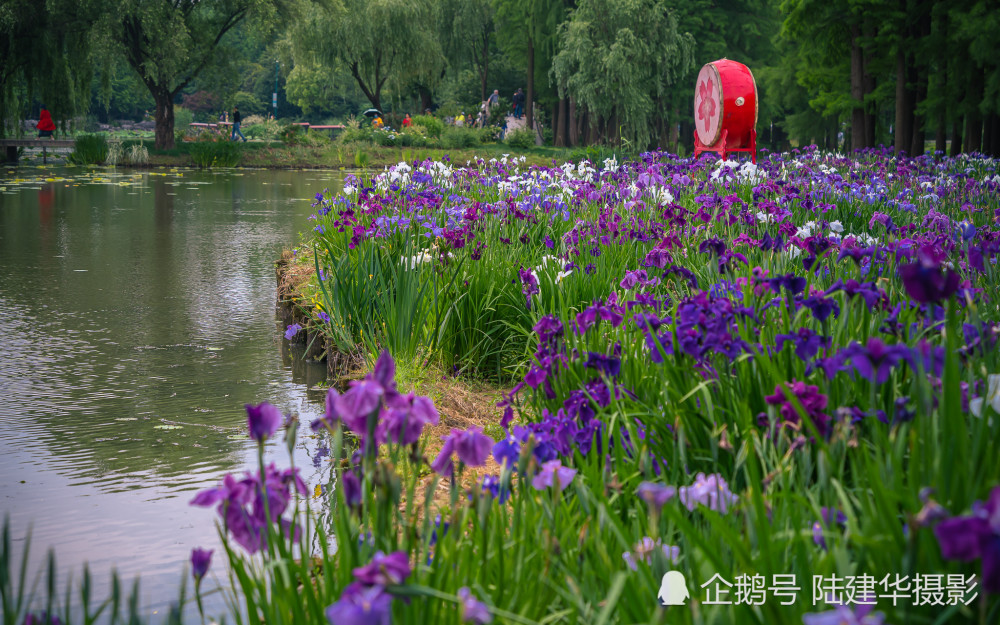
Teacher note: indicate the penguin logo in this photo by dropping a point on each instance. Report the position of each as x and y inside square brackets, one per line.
[673, 589]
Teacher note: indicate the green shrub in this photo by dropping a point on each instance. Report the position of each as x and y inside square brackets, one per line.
[432, 125]
[412, 137]
[522, 139]
[257, 127]
[456, 138]
[182, 118]
[491, 134]
[292, 134]
[216, 153]
[385, 138]
[89, 149]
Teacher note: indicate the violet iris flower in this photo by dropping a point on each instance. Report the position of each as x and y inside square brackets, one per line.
[384, 570]
[975, 537]
[201, 559]
[359, 605]
[292, 330]
[656, 495]
[263, 420]
[875, 361]
[473, 610]
[553, 473]
[471, 445]
[927, 280]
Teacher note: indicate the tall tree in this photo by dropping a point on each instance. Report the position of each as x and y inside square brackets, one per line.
[46, 52]
[168, 43]
[619, 58]
[375, 40]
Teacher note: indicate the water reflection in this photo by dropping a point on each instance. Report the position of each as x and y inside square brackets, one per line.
[136, 316]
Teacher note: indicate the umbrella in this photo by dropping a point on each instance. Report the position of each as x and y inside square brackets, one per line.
[371, 113]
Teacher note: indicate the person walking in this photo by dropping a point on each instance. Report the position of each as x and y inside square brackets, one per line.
[494, 99]
[519, 103]
[45, 124]
[237, 118]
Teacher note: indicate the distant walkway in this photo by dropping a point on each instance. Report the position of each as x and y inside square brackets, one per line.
[516, 124]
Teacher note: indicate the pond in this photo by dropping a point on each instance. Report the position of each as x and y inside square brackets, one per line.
[137, 316]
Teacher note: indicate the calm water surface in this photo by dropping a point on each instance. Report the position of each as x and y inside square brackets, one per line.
[136, 320]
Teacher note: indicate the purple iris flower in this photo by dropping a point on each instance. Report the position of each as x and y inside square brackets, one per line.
[807, 342]
[553, 473]
[710, 491]
[350, 485]
[790, 282]
[830, 517]
[813, 403]
[867, 291]
[471, 445]
[507, 452]
[384, 569]
[927, 280]
[656, 495]
[491, 484]
[473, 610]
[405, 418]
[201, 559]
[263, 421]
[42, 618]
[861, 614]
[359, 605]
[608, 365]
[975, 537]
[875, 361]
[291, 331]
[821, 307]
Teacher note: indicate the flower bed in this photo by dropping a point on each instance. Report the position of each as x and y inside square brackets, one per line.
[770, 373]
[779, 382]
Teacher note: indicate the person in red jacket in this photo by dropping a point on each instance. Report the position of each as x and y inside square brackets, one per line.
[45, 124]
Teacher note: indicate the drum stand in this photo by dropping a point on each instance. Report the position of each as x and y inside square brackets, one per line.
[721, 149]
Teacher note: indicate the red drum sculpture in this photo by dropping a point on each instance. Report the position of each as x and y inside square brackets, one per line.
[725, 109]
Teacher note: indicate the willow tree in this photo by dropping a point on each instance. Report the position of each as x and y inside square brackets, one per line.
[619, 59]
[169, 42]
[46, 52]
[375, 40]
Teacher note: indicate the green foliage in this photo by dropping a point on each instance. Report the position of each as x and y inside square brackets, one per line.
[432, 125]
[378, 41]
[45, 52]
[521, 139]
[455, 138]
[183, 118]
[600, 46]
[209, 154]
[168, 44]
[89, 149]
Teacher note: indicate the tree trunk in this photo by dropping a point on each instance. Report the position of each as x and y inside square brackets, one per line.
[956, 136]
[559, 124]
[573, 125]
[995, 134]
[857, 90]
[673, 134]
[484, 66]
[919, 120]
[973, 120]
[426, 101]
[164, 121]
[529, 107]
[988, 124]
[903, 133]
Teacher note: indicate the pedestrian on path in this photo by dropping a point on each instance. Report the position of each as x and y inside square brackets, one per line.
[45, 124]
[519, 103]
[237, 118]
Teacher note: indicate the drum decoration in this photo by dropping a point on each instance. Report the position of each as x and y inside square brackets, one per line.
[725, 109]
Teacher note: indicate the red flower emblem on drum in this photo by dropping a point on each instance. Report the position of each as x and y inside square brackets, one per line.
[706, 109]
